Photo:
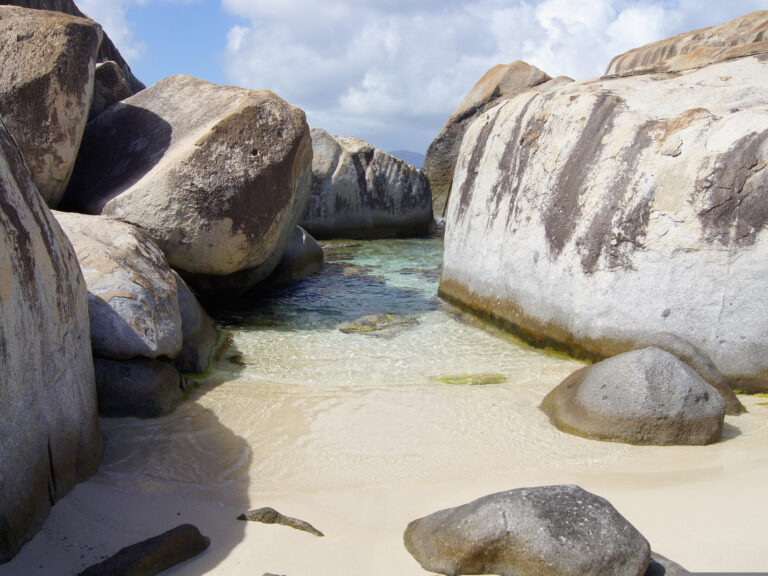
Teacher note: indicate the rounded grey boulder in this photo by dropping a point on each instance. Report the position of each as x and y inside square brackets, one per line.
[552, 530]
[646, 396]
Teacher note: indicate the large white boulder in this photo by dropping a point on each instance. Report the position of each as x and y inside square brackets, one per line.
[594, 214]
[50, 437]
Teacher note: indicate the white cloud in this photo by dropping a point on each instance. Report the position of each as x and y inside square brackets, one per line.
[391, 71]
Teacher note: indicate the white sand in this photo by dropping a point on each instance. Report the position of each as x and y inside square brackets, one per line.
[359, 459]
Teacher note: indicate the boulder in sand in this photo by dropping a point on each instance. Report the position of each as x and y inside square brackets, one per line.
[358, 191]
[50, 436]
[642, 397]
[553, 530]
[46, 86]
[198, 332]
[217, 175]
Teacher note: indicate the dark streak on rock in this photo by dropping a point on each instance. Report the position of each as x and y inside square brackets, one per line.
[623, 214]
[465, 191]
[563, 212]
[735, 194]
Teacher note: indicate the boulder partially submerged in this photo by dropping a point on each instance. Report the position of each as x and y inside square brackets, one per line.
[217, 175]
[46, 86]
[642, 397]
[553, 530]
[358, 191]
[50, 436]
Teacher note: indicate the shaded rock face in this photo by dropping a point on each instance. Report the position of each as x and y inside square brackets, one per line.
[500, 83]
[358, 191]
[198, 331]
[642, 397]
[594, 214]
[553, 530]
[303, 257]
[747, 35]
[142, 388]
[218, 176]
[107, 50]
[133, 300]
[110, 86]
[50, 431]
[46, 85]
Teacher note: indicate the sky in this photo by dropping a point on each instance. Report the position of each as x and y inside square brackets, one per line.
[390, 71]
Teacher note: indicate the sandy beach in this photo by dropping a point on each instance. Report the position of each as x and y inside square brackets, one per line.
[700, 506]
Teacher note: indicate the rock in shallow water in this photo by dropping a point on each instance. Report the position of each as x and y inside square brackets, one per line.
[589, 216]
[379, 325]
[552, 530]
[643, 397]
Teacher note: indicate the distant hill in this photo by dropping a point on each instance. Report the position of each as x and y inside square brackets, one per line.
[415, 159]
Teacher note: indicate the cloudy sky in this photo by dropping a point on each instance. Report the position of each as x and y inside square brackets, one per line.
[389, 71]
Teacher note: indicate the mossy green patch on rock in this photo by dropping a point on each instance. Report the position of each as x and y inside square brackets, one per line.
[471, 379]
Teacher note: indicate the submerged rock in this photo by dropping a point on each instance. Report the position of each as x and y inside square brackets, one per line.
[217, 175]
[46, 86]
[472, 379]
[302, 258]
[643, 397]
[746, 35]
[153, 555]
[592, 215]
[379, 324]
[553, 530]
[272, 516]
[50, 437]
[358, 191]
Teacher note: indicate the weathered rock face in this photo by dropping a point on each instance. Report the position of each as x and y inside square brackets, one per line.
[107, 50]
[592, 215]
[303, 257]
[218, 176]
[50, 436]
[747, 35]
[358, 191]
[110, 86]
[133, 300]
[553, 530]
[500, 83]
[697, 359]
[642, 397]
[46, 85]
